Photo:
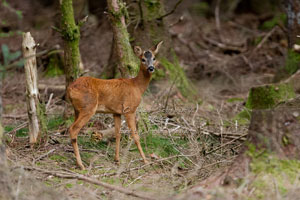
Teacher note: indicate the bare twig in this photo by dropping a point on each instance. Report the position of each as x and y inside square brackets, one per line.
[43, 156]
[92, 181]
[227, 143]
[217, 17]
[18, 127]
[49, 101]
[263, 41]
[15, 116]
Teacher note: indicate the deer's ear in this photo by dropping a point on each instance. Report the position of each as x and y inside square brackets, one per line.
[138, 51]
[156, 48]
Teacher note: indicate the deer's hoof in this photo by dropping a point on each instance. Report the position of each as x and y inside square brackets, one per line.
[117, 162]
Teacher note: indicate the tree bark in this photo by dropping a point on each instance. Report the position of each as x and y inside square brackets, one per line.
[32, 92]
[71, 35]
[149, 28]
[127, 62]
[293, 14]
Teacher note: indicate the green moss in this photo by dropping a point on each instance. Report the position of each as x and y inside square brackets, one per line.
[154, 9]
[291, 66]
[128, 60]
[159, 74]
[269, 170]
[243, 118]
[235, 99]
[292, 62]
[279, 19]
[55, 66]
[71, 34]
[268, 96]
[58, 158]
[178, 76]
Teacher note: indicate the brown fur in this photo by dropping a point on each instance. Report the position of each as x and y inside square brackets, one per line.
[117, 96]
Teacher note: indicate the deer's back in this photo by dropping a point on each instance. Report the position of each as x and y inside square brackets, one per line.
[109, 96]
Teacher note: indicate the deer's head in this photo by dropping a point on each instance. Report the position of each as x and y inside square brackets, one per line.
[148, 57]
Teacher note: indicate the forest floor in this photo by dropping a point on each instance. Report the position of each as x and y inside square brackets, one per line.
[185, 142]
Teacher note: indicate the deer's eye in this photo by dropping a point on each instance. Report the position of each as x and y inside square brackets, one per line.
[154, 59]
[143, 60]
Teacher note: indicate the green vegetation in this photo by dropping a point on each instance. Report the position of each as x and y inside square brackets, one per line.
[55, 122]
[292, 62]
[23, 132]
[178, 76]
[235, 99]
[17, 12]
[58, 158]
[55, 66]
[86, 142]
[201, 8]
[271, 171]
[10, 34]
[160, 145]
[279, 19]
[243, 118]
[9, 57]
[291, 66]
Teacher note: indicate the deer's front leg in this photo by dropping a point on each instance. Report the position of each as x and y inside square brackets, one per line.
[130, 119]
[117, 119]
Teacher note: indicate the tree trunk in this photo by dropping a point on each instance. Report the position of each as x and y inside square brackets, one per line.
[70, 34]
[149, 28]
[2, 147]
[293, 13]
[32, 92]
[127, 61]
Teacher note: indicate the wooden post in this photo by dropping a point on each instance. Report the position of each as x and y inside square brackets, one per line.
[29, 51]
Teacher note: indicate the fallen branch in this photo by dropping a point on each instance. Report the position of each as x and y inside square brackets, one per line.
[43, 156]
[171, 12]
[262, 41]
[223, 46]
[227, 143]
[92, 181]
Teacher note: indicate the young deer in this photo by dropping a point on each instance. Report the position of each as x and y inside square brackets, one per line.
[117, 96]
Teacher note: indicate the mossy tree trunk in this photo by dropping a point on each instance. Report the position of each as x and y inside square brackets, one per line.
[126, 60]
[71, 35]
[149, 28]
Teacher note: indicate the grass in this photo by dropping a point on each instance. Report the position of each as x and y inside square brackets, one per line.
[272, 173]
[161, 146]
[23, 132]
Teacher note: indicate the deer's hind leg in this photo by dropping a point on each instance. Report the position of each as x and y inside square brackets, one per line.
[117, 119]
[82, 116]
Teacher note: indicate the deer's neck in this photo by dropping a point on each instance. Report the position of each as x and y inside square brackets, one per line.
[142, 79]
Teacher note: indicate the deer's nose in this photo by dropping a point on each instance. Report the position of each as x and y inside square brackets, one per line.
[151, 69]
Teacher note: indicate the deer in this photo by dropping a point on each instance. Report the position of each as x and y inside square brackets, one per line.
[121, 96]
